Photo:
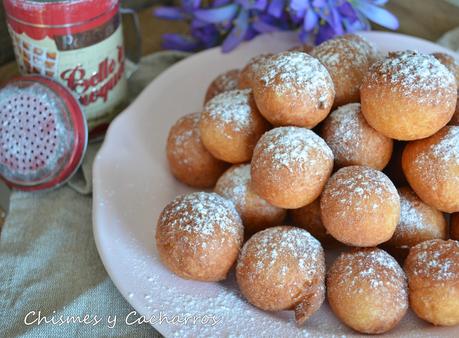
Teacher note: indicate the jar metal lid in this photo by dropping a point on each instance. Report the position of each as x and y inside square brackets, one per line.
[43, 133]
[62, 17]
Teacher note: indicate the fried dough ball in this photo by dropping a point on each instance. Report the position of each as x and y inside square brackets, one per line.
[308, 218]
[231, 126]
[306, 48]
[199, 236]
[419, 222]
[347, 59]
[431, 166]
[256, 213]
[189, 161]
[360, 206]
[432, 268]
[293, 88]
[367, 290]
[290, 167]
[449, 62]
[223, 83]
[283, 268]
[408, 95]
[247, 73]
[353, 141]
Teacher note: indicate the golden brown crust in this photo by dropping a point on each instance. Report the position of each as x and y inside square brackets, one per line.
[367, 290]
[454, 227]
[360, 206]
[431, 166]
[247, 73]
[290, 167]
[408, 96]
[231, 125]
[432, 268]
[347, 59]
[353, 141]
[419, 222]
[293, 88]
[199, 235]
[189, 161]
[306, 48]
[308, 218]
[223, 83]
[256, 213]
[282, 268]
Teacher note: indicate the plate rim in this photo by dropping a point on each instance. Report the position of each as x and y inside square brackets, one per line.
[128, 111]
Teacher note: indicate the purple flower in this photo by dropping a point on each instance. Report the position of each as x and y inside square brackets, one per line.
[229, 22]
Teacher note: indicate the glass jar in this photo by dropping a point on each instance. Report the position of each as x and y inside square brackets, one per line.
[77, 42]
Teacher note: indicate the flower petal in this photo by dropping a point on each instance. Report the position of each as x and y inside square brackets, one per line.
[325, 32]
[238, 32]
[169, 13]
[217, 15]
[276, 7]
[253, 4]
[264, 27]
[376, 14]
[179, 42]
[310, 20]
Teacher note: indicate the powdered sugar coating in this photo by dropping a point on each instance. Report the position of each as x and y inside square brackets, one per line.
[440, 154]
[200, 214]
[344, 54]
[223, 83]
[296, 74]
[282, 252]
[234, 184]
[178, 140]
[435, 260]
[413, 75]
[293, 148]
[347, 126]
[361, 270]
[231, 108]
[227, 81]
[352, 187]
[418, 221]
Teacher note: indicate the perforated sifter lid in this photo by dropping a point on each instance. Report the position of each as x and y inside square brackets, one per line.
[43, 133]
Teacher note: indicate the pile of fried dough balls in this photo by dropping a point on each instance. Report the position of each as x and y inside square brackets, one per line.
[331, 146]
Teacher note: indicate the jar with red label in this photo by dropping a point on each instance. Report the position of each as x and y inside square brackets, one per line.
[77, 42]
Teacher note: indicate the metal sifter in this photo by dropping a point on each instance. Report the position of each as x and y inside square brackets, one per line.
[43, 133]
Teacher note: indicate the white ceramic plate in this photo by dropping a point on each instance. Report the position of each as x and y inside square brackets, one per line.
[132, 184]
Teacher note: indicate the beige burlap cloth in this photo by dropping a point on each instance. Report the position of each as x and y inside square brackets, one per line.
[48, 258]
